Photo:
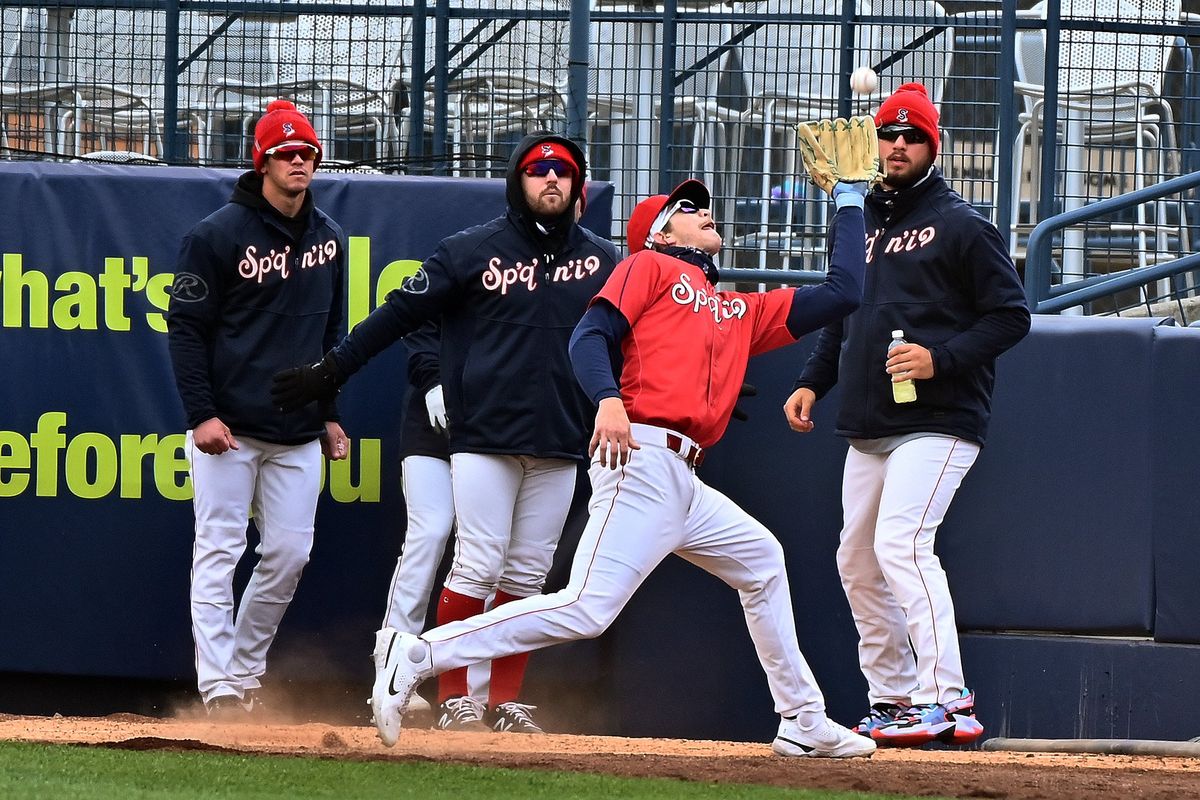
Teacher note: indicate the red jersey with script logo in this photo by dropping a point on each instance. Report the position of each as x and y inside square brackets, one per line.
[666, 379]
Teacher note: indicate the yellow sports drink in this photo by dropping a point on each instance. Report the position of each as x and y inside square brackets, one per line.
[902, 391]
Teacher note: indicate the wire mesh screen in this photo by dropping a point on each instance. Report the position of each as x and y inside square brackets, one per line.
[505, 75]
[345, 71]
[703, 89]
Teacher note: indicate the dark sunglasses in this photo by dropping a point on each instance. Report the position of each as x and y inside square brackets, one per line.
[540, 169]
[890, 133]
[286, 152]
[685, 207]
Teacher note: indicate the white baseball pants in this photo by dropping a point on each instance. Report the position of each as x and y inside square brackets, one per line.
[429, 501]
[893, 504]
[511, 511]
[640, 513]
[279, 484]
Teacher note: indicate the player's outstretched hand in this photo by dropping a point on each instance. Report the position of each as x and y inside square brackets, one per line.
[840, 149]
[297, 387]
[798, 409]
[613, 437]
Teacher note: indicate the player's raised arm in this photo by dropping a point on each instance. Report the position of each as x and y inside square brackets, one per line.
[842, 157]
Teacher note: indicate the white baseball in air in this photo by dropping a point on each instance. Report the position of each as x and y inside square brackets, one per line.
[864, 80]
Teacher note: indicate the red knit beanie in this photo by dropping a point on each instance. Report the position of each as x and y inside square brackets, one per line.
[282, 123]
[549, 151]
[910, 105]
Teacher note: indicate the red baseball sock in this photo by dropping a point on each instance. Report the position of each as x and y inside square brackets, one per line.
[452, 607]
[508, 673]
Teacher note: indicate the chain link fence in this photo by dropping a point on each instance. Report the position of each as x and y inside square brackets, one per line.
[1045, 107]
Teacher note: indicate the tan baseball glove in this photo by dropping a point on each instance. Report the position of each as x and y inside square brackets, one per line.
[840, 150]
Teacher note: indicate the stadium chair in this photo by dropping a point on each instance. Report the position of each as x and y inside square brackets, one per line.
[506, 77]
[1110, 96]
[337, 69]
[31, 85]
[118, 58]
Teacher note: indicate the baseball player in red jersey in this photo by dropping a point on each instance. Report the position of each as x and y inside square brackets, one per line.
[663, 353]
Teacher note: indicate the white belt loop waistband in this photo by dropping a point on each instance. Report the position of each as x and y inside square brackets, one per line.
[682, 446]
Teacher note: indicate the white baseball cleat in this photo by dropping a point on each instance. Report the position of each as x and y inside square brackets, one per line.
[406, 662]
[826, 739]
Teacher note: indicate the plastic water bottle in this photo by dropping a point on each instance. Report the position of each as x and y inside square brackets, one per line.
[903, 391]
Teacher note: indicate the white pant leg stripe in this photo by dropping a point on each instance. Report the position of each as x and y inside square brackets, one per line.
[503, 613]
[937, 645]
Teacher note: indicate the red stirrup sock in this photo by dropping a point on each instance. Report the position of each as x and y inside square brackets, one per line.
[508, 673]
[452, 607]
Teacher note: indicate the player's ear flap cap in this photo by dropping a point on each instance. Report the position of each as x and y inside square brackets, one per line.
[645, 212]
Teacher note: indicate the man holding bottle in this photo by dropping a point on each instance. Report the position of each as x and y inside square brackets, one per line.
[939, 278]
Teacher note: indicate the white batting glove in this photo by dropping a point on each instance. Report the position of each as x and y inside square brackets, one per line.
[436, 405]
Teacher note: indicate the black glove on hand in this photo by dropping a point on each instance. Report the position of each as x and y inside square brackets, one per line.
[297, 387]
[746, 391]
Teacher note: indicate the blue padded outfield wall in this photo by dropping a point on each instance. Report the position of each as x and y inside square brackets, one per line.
[1071, 549]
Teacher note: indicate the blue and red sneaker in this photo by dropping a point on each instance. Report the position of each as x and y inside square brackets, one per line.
[880, 714]
[950, 723]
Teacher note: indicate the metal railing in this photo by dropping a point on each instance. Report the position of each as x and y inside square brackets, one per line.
[1047, 297]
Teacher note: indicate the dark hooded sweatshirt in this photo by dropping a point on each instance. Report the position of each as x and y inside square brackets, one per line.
[940, 272]
[508, 294]
[255, 292]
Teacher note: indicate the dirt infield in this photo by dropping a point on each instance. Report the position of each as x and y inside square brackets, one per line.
[947, 773]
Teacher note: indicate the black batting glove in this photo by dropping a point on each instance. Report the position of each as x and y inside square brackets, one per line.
[747, 390]
[297, 387]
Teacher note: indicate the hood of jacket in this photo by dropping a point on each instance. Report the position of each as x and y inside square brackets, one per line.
[248, 191]
[561, 225]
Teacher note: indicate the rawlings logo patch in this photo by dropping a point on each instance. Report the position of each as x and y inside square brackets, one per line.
[417, 283]
[289, 128]
[902, 115]
[547, 150]
[189, 288]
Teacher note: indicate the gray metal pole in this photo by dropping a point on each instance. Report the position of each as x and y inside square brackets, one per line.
[174, 140]
[416, 87]
[1007, 123]
[846, 55]
[1050, 113]
[666, 104]
[441, 86]
[577, 72]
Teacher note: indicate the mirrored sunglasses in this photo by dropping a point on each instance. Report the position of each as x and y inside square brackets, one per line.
[540, 169]
[684, 207]
[288, 151]
[890, 133]
[660, 222]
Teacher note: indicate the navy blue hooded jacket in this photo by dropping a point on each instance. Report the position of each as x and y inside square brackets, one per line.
[254, 293]
[940, 272]
[508, 295]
